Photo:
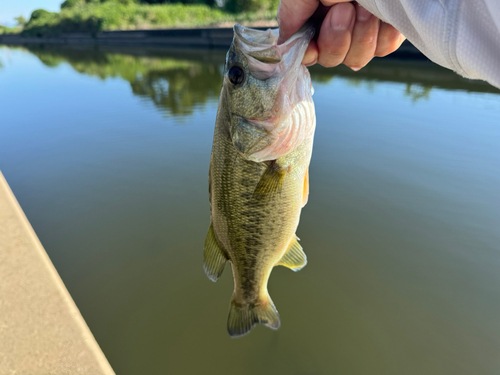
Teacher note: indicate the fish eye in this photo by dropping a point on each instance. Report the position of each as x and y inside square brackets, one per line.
[236, 75]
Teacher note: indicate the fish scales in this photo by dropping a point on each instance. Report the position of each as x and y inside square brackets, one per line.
[258, 170]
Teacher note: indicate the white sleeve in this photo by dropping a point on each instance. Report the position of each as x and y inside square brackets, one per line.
[462, 35]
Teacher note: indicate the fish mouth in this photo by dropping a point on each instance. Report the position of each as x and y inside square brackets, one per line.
[265, 57]
[255, 37]
[259, 44]
[263, 44]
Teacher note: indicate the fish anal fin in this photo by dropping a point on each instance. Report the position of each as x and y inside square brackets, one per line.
[215, 258]
[305, 193]
[271, 181]
[242, 318]
[294, 258]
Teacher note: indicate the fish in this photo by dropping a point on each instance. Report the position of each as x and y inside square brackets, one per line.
[259, 169]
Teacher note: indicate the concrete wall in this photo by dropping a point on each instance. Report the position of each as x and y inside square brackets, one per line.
[188, 38]
[206, 38]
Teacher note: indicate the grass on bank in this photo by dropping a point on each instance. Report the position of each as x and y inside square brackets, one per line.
[114, 15]
[9, 30]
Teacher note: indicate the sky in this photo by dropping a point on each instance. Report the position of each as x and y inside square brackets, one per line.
[13, 8]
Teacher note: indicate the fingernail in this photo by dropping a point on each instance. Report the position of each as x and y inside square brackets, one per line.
[342, 16]
[312, 62]
[280, 38]
[310, 56]
[362, 14]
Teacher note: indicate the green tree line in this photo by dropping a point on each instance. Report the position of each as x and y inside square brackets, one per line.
[93, 16]
[235, 6]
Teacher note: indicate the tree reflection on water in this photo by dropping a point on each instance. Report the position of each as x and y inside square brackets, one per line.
[179, 89]
[177, 81]
[173, 84]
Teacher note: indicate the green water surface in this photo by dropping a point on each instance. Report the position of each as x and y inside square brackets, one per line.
[107, 151]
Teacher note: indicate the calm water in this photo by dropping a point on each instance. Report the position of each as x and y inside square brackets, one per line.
[108, 152]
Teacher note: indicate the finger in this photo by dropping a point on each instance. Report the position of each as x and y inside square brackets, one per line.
[329, 3]
[389, 40]
[292, 14]
[335, 35]
[364, 39]
[311, 55]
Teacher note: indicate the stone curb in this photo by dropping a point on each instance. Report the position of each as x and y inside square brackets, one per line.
[41, 329]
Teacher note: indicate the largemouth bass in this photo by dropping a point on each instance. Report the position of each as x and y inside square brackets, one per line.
[258, 179]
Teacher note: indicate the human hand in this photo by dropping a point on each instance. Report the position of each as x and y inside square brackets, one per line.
[349, 33]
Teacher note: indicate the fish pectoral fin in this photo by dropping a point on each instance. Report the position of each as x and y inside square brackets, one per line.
[242, 318]
[294, 258]
[305, 193]
[271, 181]
[215, 258]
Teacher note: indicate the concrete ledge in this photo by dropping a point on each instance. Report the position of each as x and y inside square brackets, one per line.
[41, 329]
[185, 38]
[192, 38]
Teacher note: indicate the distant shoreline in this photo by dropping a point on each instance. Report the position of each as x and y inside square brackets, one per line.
[209, 37]
[203, 37]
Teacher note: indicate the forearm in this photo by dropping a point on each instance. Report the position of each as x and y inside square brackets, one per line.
[462, 35]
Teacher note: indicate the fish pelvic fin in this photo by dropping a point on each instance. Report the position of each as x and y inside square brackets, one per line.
[242, 318]
[271, 182]
[215, 258]
[294, 258]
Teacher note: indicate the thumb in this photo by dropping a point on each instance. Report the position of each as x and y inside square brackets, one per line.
[292, 14]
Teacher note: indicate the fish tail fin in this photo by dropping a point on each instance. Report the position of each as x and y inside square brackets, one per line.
[242, 318]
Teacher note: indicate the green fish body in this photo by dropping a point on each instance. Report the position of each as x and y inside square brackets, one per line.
[258, 179]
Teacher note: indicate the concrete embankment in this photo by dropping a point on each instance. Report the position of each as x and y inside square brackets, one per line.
[188, 38]
[205, 37]
[41, 329]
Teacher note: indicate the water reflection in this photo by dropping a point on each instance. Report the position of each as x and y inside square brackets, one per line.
[179, 89]
[417, 92]
[175, 85]
[177, 81]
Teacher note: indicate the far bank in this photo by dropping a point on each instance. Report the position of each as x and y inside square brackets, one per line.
[209, 37]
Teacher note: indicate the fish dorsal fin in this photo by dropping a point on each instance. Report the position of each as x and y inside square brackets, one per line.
[294, 258]
[271, 181]
[215, 259]
[305, 193]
